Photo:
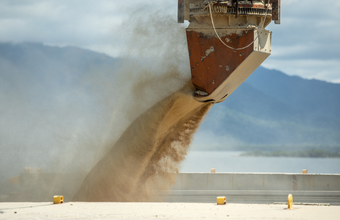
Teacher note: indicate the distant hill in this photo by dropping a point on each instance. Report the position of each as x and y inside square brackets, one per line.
[269, 109]
[311, 96]
[273, 109]
[38, 71]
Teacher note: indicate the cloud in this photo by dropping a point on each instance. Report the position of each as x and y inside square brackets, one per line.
[66, 100]
[304, 44]
[75, 23]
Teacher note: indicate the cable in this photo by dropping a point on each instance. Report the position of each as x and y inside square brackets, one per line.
[265, 15]
[212, 22]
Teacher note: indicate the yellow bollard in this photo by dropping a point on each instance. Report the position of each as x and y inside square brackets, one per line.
[304, 171]
[290, 201]
[213, 170]
[58, 199]
[221, 200]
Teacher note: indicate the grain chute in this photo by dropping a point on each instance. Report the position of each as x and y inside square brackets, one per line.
[226, 41]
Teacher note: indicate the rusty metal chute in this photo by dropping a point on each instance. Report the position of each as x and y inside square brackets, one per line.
[226, 42]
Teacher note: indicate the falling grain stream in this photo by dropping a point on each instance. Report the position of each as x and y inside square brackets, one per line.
[148, 154]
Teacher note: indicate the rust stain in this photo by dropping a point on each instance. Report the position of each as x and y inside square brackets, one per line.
[276, 4]
[209, 72]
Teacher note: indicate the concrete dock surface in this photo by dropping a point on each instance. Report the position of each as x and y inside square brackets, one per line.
[112, 210]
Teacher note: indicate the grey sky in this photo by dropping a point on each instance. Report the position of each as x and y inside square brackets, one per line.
[305, 44]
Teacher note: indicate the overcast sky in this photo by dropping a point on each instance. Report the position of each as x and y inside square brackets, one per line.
[305, 44]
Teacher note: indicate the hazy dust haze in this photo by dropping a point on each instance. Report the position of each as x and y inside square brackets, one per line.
[149, 152]
[125, 129]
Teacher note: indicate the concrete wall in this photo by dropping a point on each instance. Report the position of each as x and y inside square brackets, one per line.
[256, 187]
[41, 187]
[198, 187]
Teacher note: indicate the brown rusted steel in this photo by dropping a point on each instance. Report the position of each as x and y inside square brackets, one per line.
[211, 62]
[276, 5]
[216, 69]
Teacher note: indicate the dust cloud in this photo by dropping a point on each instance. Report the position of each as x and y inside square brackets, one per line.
[124, 129]
[154, 63]
[148, 154]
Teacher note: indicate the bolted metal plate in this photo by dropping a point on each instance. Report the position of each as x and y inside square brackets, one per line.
[216, 69]
[212, 62]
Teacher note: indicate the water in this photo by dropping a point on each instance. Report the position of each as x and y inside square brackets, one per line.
[229, 161]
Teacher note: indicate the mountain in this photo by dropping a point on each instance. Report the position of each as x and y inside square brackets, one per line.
[270, 108]
[312, 96]
[273, 109]
[38, 72]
